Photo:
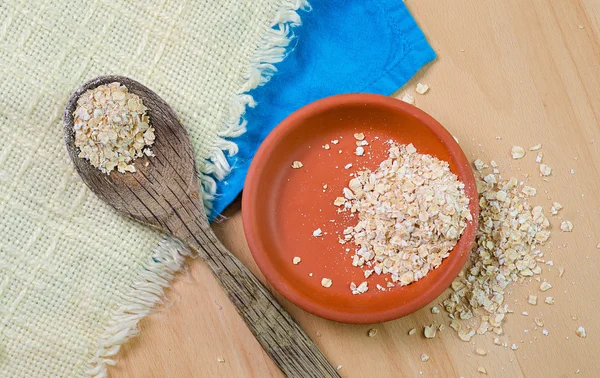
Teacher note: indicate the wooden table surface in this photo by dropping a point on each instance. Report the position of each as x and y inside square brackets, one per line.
[525, 71]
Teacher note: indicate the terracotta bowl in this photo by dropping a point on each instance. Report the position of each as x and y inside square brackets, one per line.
[281, 206]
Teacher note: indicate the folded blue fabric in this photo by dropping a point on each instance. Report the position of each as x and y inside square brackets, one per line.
[343, 46]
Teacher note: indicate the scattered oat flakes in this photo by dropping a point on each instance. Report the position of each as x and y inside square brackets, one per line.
[525, 313]
[538, 322]
[465, 335]
[297, 164]
[362, 288]
[422, 88]
[561, 271]
[510, 231]
[481, 351]
[339, 367]
[408, 98]
[545, 332]
[535, 148]
[339, 201]
[566, 226]
[497, 341]
[545, 286]
[482, 370]
[479, 165]
[359, 136]
[455, 325]
[326, 282]
[325, 186]
[348, 166]
[296, 260]
[318, 232]
[326, 146]
[517, 152]
[435, 310]
[360, 151]
[412, 331]
[429, 331]
[530, 191]
[424, 357]
[514, 347]
[532, 299]
[545, 170]
[335, 141]
[112, 128]
[549, 300]
[580, 332]
[220, 360]
[555, 208]
[539, 157]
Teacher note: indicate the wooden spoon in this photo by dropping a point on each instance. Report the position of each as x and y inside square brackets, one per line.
[163, 193]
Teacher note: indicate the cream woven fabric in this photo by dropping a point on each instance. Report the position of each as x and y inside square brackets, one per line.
[75, 277]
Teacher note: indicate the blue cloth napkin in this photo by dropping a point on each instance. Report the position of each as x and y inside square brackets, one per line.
[343, 46]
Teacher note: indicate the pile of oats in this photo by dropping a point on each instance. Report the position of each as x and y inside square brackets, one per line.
[411, 212]
[112, 128]
[509, 235]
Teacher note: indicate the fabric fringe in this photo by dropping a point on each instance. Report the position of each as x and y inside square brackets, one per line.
[170, 254]
[271, 50]
[145, 293]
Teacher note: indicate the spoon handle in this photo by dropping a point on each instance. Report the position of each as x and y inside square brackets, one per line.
[287, 344]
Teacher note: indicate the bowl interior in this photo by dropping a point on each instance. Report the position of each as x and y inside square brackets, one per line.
[283, 206]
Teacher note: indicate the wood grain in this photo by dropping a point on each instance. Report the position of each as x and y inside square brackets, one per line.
[528, 74]
[163, 193]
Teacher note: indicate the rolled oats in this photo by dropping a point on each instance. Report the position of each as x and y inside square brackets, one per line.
[422, 88]
[510, 232]
[424, 357]
[296, 260]
[409, 99]
[566, 226]
[532, 299]
[539, 157]
[555, 208]
[297, 164]
[517, 152]
[326, 282]
[112, 128]
[429, 331]
[545, 170]
[411, 212]
[360, 289]
[580, 332]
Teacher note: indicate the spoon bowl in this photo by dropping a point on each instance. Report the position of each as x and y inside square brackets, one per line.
[143, 195]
